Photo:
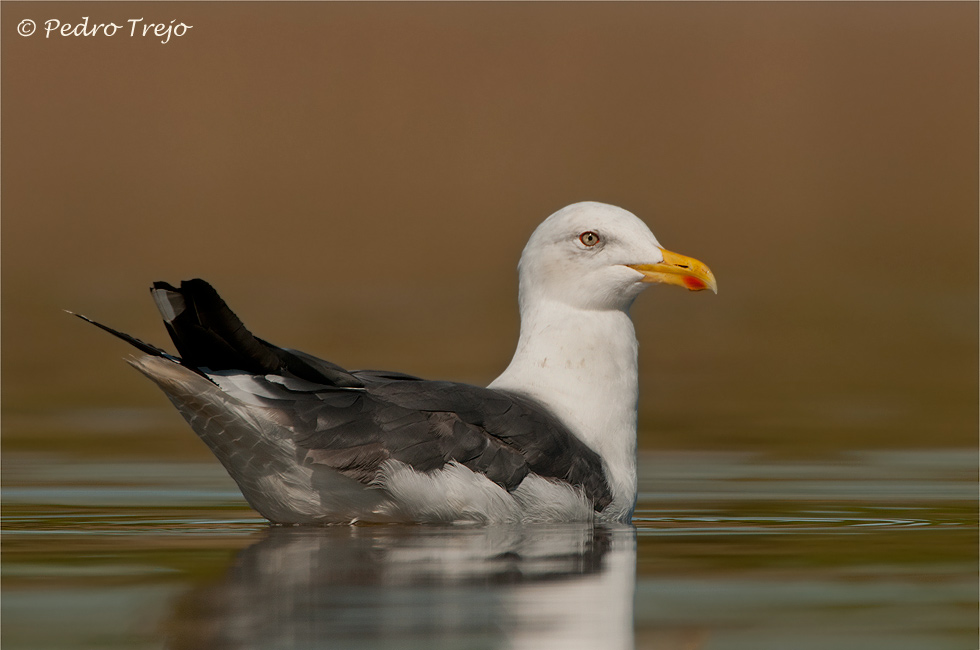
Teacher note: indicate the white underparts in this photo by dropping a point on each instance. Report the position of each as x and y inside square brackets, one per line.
[455, 493]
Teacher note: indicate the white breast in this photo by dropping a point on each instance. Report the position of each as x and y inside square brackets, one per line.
[582, 365]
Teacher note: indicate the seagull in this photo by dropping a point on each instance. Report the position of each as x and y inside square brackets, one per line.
[552, 439]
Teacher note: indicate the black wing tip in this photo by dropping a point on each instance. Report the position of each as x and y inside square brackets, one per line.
[194, 285]
[159, 284]
[209, 334]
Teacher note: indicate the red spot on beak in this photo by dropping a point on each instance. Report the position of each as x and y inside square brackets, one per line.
[693, 283]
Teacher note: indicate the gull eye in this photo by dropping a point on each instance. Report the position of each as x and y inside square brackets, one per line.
[589, 238]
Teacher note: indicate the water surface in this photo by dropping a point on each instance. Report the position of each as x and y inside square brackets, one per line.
[729, 551]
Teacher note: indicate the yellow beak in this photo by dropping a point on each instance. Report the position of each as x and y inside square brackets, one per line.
[680, 270]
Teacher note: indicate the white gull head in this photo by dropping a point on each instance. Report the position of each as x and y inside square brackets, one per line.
[577, 354]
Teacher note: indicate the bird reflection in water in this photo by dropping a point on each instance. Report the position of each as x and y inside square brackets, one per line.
[549, 586]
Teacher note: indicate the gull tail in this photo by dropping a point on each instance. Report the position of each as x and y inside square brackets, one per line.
[142, 346]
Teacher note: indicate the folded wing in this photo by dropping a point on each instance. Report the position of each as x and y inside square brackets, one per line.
[354, 422]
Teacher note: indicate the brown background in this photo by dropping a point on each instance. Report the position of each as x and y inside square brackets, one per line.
[358, 180]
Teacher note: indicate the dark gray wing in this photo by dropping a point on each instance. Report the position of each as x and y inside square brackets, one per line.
[547, 446]
[427, 424]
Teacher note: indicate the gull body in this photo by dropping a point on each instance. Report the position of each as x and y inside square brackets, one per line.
[552, 439]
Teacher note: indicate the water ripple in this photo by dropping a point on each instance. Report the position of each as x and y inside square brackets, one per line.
[650, 524]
